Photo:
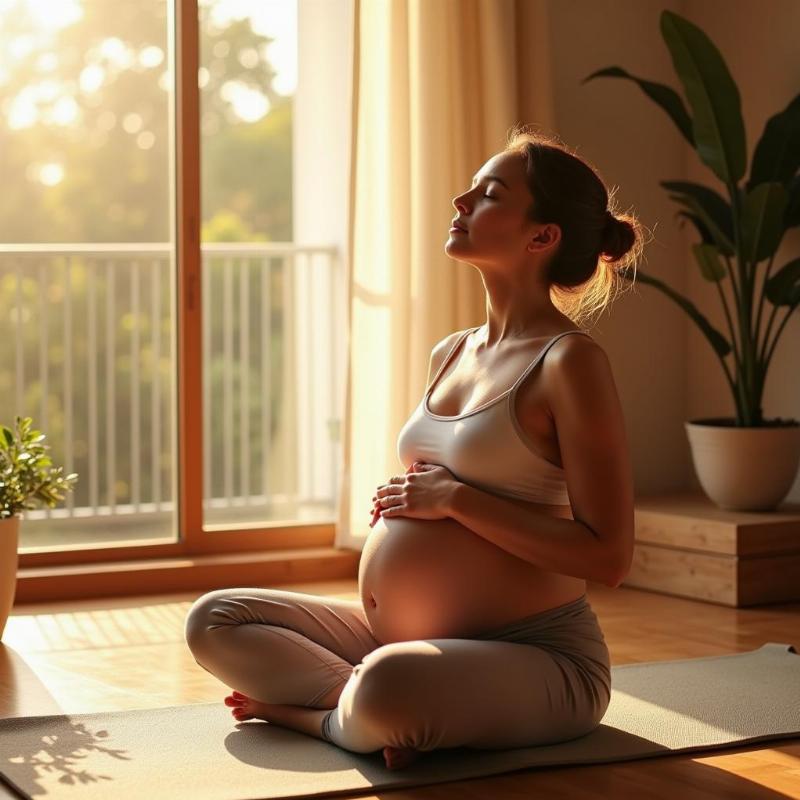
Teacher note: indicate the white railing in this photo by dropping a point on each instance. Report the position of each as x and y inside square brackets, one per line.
[103, 385]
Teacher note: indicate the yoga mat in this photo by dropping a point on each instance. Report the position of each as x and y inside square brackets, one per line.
[199, 751]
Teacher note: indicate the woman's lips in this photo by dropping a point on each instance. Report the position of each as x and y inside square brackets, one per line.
[453, 229]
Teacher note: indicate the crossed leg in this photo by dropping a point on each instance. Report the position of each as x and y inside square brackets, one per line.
[440, 693]
[316, 640]
[283, 649]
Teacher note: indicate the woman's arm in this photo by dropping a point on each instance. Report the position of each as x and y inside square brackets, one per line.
[555, 544]
[582, 398]
[598, 542]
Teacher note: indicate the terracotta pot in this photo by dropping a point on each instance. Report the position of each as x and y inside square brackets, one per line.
[9, 560]
[745, 469]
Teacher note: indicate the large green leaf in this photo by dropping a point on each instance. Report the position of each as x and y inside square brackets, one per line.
[713, 209]
[713, 96]
[717, 236]
[716, 220]
[702, 229]
[762, 221]
[783, 288]
[791, 217]
[777, 154]
[664, 95]
[717, 340]
[711, 266]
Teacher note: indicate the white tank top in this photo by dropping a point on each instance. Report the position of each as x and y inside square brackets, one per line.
[485, 447]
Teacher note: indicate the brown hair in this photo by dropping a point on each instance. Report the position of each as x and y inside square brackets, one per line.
[597, 243]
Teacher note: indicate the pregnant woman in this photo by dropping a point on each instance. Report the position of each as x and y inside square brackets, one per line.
[473, 626]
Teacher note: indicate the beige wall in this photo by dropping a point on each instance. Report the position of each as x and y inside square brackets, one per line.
[665, 372]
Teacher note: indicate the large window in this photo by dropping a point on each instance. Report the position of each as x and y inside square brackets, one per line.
[88, 260]
[91, 254]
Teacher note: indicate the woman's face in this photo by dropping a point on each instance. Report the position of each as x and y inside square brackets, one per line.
[493, 212]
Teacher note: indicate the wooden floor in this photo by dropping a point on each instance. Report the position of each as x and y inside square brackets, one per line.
[101, 655]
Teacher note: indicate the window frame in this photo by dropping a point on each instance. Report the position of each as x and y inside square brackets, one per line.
[193, 538]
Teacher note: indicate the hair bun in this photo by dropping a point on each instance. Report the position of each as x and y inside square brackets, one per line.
[618, 237]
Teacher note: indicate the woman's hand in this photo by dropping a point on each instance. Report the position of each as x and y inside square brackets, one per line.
[424, 492]
[376, 503]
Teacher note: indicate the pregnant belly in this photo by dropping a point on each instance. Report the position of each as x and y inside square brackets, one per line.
[425, 579]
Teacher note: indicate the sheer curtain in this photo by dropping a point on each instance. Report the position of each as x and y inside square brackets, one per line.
[436, 87]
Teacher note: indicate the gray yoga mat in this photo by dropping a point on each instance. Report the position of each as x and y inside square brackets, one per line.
[199, 751]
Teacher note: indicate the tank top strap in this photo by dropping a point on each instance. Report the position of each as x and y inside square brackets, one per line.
[449, 357]
[539, 357]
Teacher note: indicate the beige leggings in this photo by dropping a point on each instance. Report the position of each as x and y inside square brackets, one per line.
[540, 680]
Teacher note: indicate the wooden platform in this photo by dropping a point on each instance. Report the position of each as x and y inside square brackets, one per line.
[687, 547]
[119, 653]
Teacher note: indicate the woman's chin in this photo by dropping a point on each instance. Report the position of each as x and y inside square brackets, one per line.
[458, 251]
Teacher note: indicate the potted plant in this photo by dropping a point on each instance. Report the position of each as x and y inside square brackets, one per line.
[744, 462]
[26, 477]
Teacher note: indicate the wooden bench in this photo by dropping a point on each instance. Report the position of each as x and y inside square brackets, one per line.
[687, 547]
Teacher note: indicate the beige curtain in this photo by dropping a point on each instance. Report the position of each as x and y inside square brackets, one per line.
[437, 85]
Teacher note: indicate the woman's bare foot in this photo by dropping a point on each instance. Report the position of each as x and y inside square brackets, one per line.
[297, 718]
[400, 757]
[245, 707]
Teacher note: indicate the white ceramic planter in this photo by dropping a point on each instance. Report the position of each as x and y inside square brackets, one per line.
[9, 560]
[744, 469]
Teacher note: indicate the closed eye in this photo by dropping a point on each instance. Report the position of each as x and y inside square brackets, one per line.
[491, 196]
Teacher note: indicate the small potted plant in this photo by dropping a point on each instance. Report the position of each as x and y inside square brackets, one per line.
[747, 462]
[26, 477]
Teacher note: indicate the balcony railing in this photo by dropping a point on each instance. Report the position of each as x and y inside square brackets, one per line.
[88, 349]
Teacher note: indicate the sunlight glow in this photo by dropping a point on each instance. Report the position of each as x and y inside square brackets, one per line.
[47, 100]
[248, 58]
[64, 112]
[151, 56]
[145, 140]
[47, 62]
[46, 14]
[132, 123]
[274, 18]
[249, 104]
[22, 111]
[91, 78]
[51, 174]
[114, 49]
[20, 46]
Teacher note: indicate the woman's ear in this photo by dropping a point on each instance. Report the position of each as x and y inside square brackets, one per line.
[545, 237]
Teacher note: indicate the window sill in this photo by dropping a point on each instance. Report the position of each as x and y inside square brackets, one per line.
[194, 573]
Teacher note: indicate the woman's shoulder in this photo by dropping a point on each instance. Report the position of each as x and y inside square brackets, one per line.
[579, 356]
[446, 344]
[441, 349]
[585, 343]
